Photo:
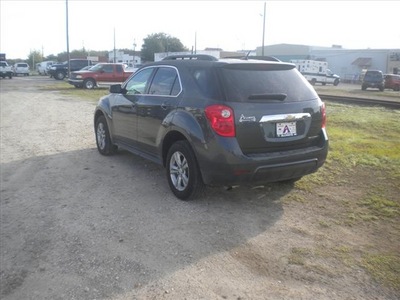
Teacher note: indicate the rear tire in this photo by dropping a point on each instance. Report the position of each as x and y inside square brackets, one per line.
[59, 76]
[103, 139]
[183, 173]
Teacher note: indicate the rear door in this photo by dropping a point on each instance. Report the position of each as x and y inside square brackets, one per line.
[275, 108]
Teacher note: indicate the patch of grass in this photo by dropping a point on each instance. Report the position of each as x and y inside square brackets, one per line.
[294, 198]
[367, 136]
[384, 268]
[297, 256]
[380, 206]
[67, 89]
[358, 136]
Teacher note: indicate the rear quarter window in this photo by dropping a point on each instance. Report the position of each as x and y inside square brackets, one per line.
[206, 81]
[242, 81]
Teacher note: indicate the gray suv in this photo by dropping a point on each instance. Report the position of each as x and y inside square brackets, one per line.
[216, 122]
[373, 79]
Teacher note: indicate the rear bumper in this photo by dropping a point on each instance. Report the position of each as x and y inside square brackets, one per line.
[231, 167]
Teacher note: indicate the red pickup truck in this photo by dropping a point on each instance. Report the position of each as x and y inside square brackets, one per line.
[102, 74]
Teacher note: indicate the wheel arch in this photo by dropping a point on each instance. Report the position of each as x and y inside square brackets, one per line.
[183, 126]
[171, 137]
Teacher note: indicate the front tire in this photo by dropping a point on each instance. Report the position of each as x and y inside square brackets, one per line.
[336, 82]
[103, 139]
[183, 173]
[89, 84]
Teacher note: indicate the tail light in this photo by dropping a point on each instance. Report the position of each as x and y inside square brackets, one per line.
[221, 119]
[323, 115]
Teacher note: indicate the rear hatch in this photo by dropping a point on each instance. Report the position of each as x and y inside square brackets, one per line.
[275, 108]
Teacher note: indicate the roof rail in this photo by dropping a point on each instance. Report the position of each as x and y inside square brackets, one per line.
[191, 57]
[267, 58]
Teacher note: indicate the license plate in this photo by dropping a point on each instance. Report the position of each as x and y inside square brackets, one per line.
[286, 129]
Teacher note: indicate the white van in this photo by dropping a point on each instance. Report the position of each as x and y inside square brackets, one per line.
[44, 66]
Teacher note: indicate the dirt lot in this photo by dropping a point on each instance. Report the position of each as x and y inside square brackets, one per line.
[77, 225]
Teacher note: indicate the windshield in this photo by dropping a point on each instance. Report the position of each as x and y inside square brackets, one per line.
[96, 67]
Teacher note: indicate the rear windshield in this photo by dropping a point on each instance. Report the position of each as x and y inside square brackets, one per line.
[243, 83]
[374, 75]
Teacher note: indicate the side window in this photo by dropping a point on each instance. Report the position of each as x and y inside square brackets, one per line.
[108, 69]
[119, 69]
[164, 81]
[137, 84]
[206, 81]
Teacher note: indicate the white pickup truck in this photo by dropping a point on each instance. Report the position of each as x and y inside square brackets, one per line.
[5, 70]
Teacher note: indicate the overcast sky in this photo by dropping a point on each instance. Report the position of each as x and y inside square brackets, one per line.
[230, 25]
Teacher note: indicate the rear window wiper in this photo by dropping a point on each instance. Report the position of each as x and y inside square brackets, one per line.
[279, 97]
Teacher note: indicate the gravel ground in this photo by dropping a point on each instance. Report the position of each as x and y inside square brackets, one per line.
[78, 225]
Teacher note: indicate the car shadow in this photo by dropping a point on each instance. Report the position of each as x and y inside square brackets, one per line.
[88, 226]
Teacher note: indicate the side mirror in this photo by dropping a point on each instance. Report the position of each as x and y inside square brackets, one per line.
[117, 89]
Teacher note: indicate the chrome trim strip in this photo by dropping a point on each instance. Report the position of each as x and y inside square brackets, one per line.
[285, 118]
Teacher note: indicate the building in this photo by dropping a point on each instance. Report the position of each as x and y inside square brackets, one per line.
[347, 63]
[131, 58]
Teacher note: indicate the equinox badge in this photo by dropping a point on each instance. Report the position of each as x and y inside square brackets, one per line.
[247, 119]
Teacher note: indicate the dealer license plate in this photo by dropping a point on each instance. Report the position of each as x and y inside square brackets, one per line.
[286, 129]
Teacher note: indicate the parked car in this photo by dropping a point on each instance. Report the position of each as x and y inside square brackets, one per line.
[373, 79]
[21, 68]
[216, 122]
[392, 81]
[60, 71]
[5, 70]
[102, 74]
[44, 66]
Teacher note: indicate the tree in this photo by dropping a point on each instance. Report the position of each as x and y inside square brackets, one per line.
[34, 57]
[160, 42]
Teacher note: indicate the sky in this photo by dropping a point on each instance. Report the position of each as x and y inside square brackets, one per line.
[33, 25]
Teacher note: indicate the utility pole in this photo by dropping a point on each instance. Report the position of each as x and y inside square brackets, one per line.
[195, 42]
[263, 36]
[66, 10]
[115, 54]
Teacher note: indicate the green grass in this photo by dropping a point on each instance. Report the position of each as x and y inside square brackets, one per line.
[67, 89]
[384, 268]
[364, 161]
[364, 135]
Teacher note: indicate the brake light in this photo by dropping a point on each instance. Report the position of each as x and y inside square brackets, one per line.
[221, 119]
[323, 115]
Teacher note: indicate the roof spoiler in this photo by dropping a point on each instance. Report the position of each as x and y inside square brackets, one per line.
[191, 57]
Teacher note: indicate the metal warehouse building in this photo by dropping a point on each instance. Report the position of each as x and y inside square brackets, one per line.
[347, 63]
